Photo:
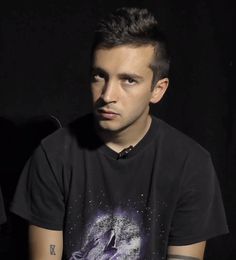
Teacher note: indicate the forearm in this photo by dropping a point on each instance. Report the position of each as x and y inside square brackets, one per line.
[188, 252]
[45, 244]
[182, 257]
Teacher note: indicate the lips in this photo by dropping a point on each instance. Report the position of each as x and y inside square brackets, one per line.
[107, 114]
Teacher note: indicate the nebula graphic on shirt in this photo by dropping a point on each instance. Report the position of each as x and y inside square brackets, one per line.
[111, 237]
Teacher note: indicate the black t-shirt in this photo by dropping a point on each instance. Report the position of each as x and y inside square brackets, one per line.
[164, 192]
[2, 209]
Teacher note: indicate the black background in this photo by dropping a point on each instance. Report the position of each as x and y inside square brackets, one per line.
[44, 70]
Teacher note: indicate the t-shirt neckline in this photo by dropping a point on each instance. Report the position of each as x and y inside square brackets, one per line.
[148, 137]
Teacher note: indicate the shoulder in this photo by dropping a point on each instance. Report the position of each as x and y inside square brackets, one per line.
[191, 161]
[75, 135]
[177, 143]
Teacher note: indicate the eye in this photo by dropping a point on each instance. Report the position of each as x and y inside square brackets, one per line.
[98, 76]
[129, 81]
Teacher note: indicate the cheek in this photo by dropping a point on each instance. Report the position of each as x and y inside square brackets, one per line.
[140, 100]
[96, 93]
[135, 106]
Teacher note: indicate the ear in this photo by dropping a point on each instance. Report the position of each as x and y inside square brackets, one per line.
[159, 90]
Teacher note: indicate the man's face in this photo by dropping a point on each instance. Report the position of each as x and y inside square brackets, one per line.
[121, 86]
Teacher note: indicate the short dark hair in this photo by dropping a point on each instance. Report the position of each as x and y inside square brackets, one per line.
[137, 27]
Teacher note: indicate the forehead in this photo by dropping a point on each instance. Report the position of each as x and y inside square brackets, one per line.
[124, 58]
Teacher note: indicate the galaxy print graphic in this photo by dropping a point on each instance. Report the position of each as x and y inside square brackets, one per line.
[96, 230]
[111, 237]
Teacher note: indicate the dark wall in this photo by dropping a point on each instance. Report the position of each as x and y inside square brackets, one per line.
[44, 70]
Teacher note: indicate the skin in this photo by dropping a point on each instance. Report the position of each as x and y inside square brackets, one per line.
[45, 244]
[122, 92]
[188, 252]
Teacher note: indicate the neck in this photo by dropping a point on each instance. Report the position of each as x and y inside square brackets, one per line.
[120, 140]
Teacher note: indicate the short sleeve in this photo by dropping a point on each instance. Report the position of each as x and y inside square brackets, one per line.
[199, 214]
[2, 209]
[39, 194]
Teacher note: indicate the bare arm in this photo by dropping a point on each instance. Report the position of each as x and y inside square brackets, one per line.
[45, 244]
[189, 252]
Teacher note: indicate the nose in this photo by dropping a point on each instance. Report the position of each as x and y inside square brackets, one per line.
[110, 92]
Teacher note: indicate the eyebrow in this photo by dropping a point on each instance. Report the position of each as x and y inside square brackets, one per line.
[120, 75]
[130, 75]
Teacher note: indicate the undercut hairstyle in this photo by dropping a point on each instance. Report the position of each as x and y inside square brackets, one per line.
[135, 27]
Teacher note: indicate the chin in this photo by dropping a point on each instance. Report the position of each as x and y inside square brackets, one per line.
[108, 127]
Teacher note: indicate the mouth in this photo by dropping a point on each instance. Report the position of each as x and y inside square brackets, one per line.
[106, 114]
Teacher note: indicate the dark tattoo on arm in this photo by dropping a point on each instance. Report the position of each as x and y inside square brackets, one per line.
[52, 250]
[182, 257]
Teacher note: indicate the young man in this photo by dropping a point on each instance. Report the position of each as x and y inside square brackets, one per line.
[121, 184]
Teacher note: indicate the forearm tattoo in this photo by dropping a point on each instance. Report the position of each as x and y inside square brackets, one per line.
[52, 250]
[182, 257]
